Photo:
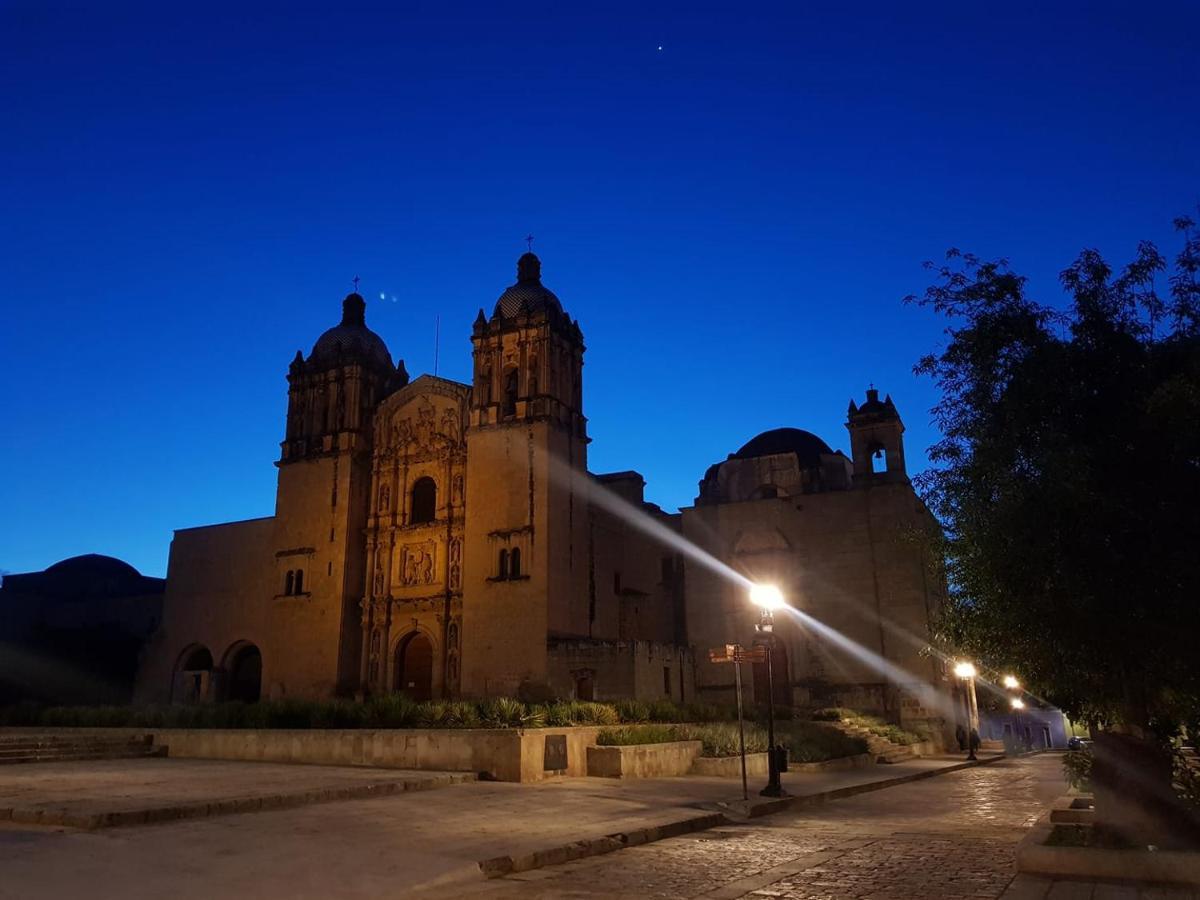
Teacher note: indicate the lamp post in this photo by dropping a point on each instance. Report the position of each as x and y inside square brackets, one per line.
[966, 671]
[769, 598]
[1018, 704]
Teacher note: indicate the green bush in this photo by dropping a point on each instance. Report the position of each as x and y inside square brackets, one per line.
[1077, 767]
[628, 735]
[633, 710]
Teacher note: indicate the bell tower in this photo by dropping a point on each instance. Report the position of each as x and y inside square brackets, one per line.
[322, 496]
[876, 440]
[526, 569]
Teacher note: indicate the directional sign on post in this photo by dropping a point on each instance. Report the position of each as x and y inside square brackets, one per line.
[736, 653]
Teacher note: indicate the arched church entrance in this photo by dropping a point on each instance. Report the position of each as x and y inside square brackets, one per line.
[245, 674]
[779, 676]
[414, 666]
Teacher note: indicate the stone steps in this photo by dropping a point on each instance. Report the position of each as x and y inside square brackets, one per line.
[885, 751]
[57, 748]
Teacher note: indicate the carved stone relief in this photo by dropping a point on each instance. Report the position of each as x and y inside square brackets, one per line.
[418, 564]
[456, 564]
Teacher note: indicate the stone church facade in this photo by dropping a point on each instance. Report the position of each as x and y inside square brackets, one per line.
[446, 540]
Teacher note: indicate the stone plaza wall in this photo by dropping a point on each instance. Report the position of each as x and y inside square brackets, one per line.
[643, 760]
[500, 754]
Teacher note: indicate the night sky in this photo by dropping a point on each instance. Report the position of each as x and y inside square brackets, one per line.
[732, 199]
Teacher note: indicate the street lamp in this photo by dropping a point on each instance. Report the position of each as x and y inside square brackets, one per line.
[967, 672]
[1010, 682]
[769, 598]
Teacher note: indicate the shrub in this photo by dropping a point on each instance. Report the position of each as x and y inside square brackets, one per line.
[633, 711]
[830, 714]
[1077, 767]
[628, 735]
[810, 742]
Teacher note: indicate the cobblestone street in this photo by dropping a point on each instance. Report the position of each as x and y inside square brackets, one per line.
[952, 836]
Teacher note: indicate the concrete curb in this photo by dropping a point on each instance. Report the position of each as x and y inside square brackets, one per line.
[499, 866]
[757, 808]
[232, 806]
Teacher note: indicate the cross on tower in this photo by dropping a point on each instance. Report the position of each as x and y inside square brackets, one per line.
[529, 241]
[355, 280]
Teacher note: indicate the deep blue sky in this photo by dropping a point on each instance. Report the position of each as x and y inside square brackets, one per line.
[187, 193]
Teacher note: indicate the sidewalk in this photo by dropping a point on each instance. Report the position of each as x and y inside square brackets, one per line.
[386, 846]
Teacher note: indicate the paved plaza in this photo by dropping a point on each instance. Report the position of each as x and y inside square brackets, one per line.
[952, 835]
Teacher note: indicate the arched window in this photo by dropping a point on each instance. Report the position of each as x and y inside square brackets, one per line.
[502, 568]
[299, 581]
[514, 563]
[289, 583]
[424, 501]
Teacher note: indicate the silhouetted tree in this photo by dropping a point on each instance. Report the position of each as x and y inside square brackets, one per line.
[1068, 482]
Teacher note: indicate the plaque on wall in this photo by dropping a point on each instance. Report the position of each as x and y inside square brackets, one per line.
[555, 755]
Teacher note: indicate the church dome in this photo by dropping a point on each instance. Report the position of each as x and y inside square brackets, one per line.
[351, 339]
[528, 296]
[806, 445]
[94, 565]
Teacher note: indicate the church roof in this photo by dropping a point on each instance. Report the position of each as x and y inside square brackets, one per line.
[89, 576]
[351, 338]
[528, 296]
[806, 445]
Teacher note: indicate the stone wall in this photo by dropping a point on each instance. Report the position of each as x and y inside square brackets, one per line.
[501, 754]
[643, 760]
[621, 669]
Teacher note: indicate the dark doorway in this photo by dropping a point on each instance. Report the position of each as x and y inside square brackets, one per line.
[584, 688]
[780, 670]
[414, 666]
[245, 675]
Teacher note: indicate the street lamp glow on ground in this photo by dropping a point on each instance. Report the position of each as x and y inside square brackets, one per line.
[769, 598]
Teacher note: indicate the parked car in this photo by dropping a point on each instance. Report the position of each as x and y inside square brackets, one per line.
[1078, 743]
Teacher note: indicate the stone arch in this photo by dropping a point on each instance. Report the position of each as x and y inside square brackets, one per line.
[243, 672]
[413, 661]
[191, 678]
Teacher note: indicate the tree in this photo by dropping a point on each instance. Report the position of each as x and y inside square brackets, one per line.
[1068, 483]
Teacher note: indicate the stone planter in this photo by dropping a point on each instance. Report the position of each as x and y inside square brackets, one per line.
[756, 764]
[1071, 810]
[643, 760]
[1153, 866]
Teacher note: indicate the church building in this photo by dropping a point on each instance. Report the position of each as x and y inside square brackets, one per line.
[447, 540]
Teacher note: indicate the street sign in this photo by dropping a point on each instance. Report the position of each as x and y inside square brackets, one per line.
[736, 653]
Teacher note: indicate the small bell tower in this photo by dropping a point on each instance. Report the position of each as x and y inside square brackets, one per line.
[526, 572]
[876, 440]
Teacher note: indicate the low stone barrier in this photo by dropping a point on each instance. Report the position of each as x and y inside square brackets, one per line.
[756, 764]
[502, 754]
[1143, 866]
[643, 760]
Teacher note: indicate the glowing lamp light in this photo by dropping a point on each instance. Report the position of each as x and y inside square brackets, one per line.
[766, 596]
[1011, 682]
[1018, 703]
[965, 670]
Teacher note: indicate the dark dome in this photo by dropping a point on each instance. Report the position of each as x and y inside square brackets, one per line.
[352, 338]
[528, 295]
[96, 566]
[806, 445]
